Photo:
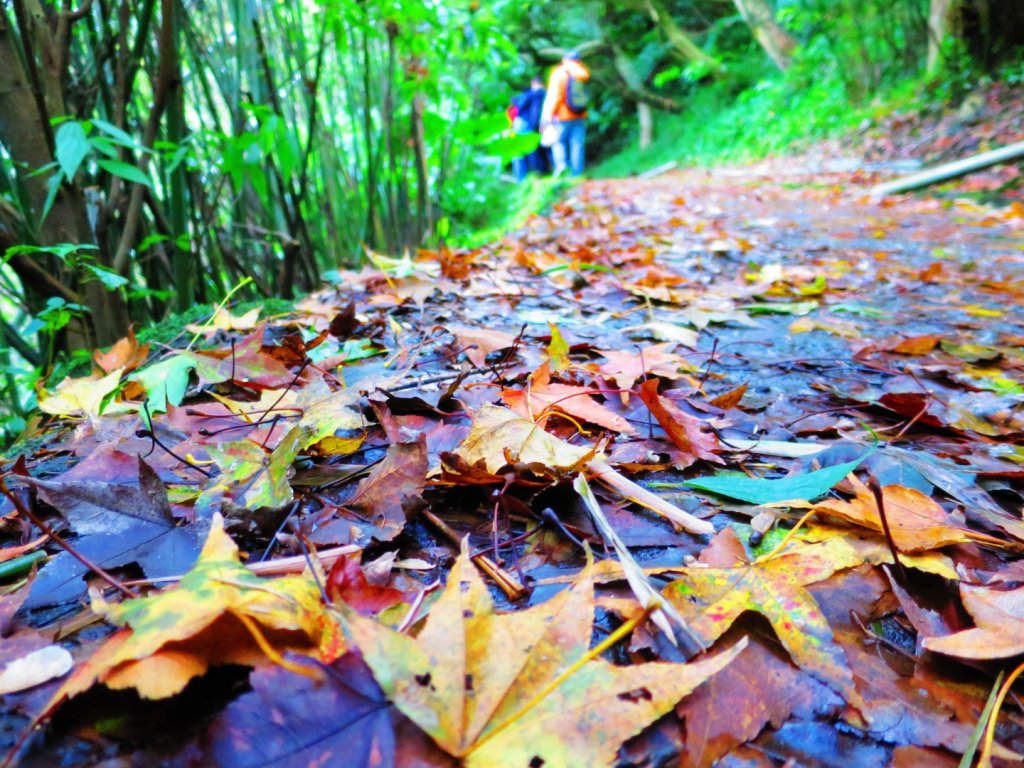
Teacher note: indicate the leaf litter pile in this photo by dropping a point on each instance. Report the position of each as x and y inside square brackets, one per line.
[693, 471]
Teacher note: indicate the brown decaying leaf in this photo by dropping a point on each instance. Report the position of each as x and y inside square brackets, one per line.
[126, 354]
[381, 496]
[685, 431]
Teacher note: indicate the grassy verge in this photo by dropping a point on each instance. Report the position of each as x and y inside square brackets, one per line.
[509, 209]
[771, 116]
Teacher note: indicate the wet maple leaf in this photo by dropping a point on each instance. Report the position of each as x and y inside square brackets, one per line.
[543, 398]
[253, 476]
[712, 599]
[291, 721]
[82, 397]
[213, 616]
[125, 354]
[493, 689]
[999, 634]
[499, 436]
[626, 367]
[381, 495]
[916, 521]
[478, 343]
[683, 430]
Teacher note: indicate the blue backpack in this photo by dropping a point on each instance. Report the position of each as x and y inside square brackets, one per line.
[575, 95]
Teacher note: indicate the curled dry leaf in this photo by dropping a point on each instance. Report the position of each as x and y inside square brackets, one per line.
[916, 521]
[999, 634]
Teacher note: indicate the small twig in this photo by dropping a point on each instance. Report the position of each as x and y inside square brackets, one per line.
[505, 580]
[28, 513]
[151, 434]
[901, 572]
[707, 367]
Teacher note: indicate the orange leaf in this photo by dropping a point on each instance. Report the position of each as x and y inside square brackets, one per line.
[683, 430]
[541, 398]
[731, 399]
[916, 521]
[917, 345]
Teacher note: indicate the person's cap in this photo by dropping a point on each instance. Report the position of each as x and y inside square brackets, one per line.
[571, 55]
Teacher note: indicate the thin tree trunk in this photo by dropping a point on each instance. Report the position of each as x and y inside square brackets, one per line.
[677, 37]
[646, 121]
[27, 103]
[939, 14]
[775, 41]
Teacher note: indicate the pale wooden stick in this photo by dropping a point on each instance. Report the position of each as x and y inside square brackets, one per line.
[637, 493]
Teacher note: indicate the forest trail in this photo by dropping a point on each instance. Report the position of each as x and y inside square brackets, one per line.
[832, 281]
[756, 340]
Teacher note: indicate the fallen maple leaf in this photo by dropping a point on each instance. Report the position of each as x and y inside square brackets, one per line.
[478, 343]
[917, 522]
[253, 476]
[712, 599]
[683, 430]
[289, 720]
[519, 689]
[499, 436]
[542, 398]
[381, 496]
[219, 613]
[626, 367]
[999, 634]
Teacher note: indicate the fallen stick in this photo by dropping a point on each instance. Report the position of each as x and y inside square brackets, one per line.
[298, 563]
[645, 498]
[950, 170]
[658, 170]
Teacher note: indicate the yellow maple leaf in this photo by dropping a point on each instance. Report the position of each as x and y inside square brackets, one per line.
[219, 613]
[521, 688]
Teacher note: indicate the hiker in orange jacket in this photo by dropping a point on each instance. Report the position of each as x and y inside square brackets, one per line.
[566, 108]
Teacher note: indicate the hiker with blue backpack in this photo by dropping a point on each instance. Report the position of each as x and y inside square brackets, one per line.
[525, 113]
[564, 117]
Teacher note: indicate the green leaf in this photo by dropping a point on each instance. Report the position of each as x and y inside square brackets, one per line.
[72, 147]
[166, 381]
[807, 486]
[119, 136]
[124, 170]
[857, 309]
[791, 308]
[110, 279]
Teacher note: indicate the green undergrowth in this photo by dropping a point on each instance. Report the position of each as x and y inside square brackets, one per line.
[771, 116]
[508, 209]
